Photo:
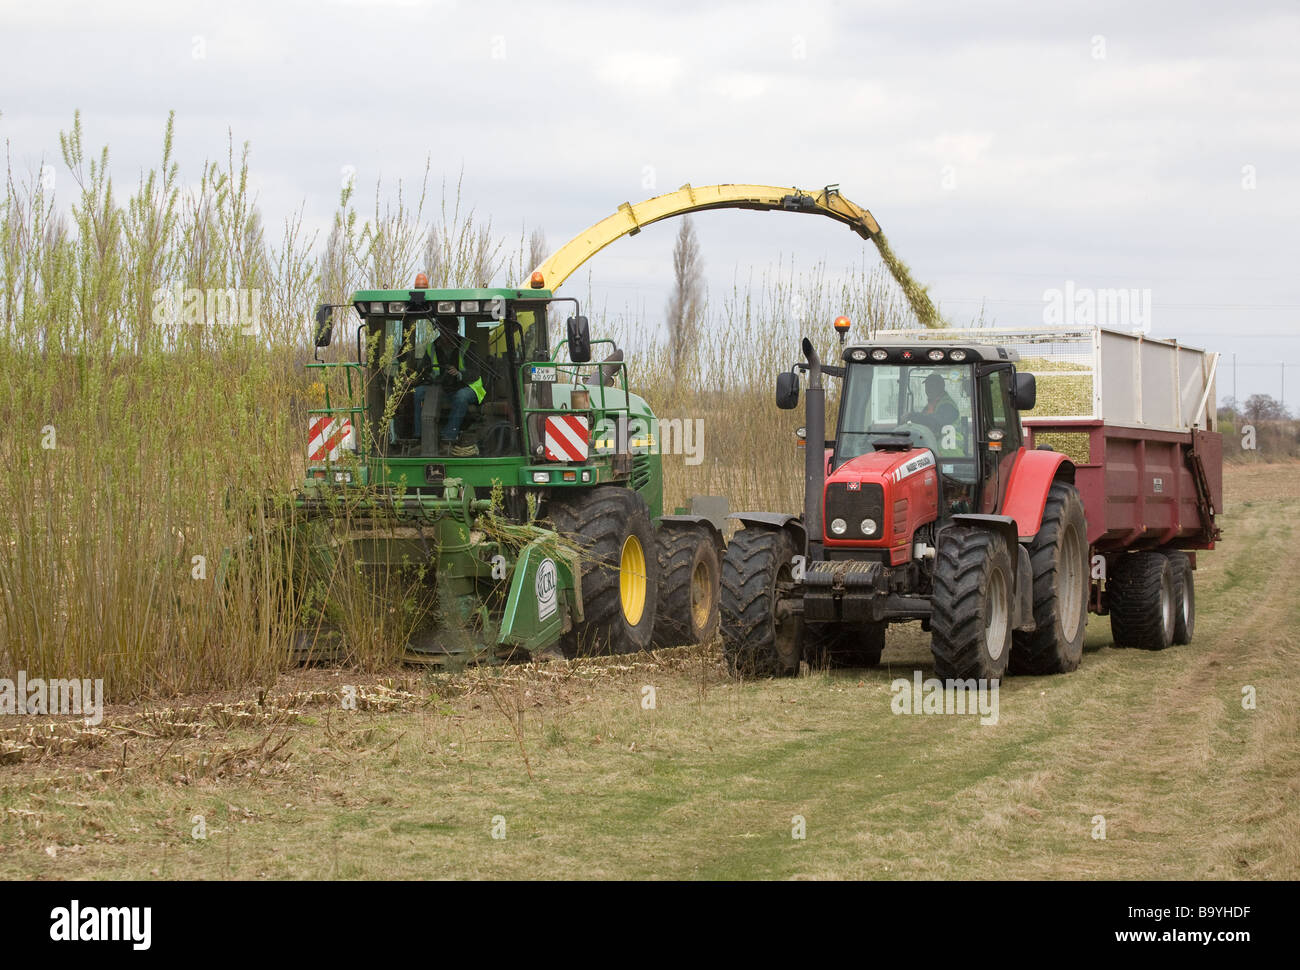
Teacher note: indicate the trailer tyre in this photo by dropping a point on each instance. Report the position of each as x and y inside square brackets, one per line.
[620, 569]
[970, 625]
[1184, 597]
[689, 573]
[756, 641]
[1142, 597]
[1059, 556]
[844, 644]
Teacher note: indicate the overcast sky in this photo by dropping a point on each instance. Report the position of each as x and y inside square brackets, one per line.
[1005, 148]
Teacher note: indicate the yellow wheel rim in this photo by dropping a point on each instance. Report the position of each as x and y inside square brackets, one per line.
[631, 580]
[701, 595]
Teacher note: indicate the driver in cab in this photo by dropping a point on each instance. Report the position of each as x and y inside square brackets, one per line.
[940, 411]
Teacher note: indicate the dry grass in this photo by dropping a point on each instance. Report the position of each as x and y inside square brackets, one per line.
[706, 784]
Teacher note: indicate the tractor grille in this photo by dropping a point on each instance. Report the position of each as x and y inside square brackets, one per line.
[853, 507]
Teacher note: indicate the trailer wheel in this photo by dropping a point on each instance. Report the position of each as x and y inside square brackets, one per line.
[757, 640]
[688, 587]
[1184, 597]
[970, 625]
[844, 644]
[1059, 555]
[1141, 594]
[620, 569]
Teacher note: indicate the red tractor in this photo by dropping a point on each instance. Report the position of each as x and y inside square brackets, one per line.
[935, 503]
[926, 506]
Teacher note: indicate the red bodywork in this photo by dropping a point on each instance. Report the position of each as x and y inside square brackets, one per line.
[910, 483]
[1143, 488]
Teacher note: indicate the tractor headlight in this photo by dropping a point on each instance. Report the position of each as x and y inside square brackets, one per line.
[880, 354]
[839, 526]
[397, 308]
[342, 478]
[541, 478]
[958, 355]
[935, 355]
[469, 306]
[446, 306]
[868, 527]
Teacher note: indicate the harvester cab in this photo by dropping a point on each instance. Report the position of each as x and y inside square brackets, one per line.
[925, 505]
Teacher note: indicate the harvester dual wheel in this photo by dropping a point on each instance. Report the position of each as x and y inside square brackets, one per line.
[970, 626]
[1184, 597]
[844, 644]
[759, 639]
[1142, 596]
[620, 569]
[689, 572]
[1059, 556]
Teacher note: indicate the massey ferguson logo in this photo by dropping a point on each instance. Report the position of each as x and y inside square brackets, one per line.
[915, 465]
[545, 588]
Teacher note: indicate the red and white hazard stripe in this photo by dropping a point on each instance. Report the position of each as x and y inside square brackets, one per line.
[327, 437]
[566, 437]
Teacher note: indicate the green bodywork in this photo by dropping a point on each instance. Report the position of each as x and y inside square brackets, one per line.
[502, 583]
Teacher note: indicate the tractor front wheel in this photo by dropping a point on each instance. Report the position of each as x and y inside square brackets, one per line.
[620, 569]
[970, 626]
[759, 639]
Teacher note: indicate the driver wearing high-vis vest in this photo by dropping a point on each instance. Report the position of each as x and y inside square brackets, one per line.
[461, 380]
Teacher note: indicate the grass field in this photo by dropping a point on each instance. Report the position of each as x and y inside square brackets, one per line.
[584, 782]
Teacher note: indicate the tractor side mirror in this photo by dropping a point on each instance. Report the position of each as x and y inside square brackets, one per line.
[787, 390]
[324, 325]
[579, 340]
[1025, 394]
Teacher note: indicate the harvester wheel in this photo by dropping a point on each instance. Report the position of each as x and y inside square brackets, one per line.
[1142, 601]
[1184, 596]
[844, 644]
[620, 569]
[970, 626]
[1059, 555]
[758, 639]
[688, 587]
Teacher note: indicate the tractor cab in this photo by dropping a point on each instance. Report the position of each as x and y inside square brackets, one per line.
[960, 404]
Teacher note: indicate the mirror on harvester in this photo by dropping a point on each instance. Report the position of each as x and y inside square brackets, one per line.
[787, 390]
[579, 340]
[1025, 394]
[324, 324]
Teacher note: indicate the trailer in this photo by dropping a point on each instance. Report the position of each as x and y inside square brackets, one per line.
[1137, 418]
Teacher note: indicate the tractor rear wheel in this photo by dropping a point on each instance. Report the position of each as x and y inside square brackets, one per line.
[1059, 556]
[758, 639]
[688, 587]
[1141, 596]
[844, 644]
[620, 569]
[1184, 597]
[970, 625]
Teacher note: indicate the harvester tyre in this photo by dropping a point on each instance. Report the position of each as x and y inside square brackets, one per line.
[1184, 597]
[970, 624]
[620, 569]
[1142, 596]
[757, 640]
[1059, 557]
[844, 644]
[689, 571]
